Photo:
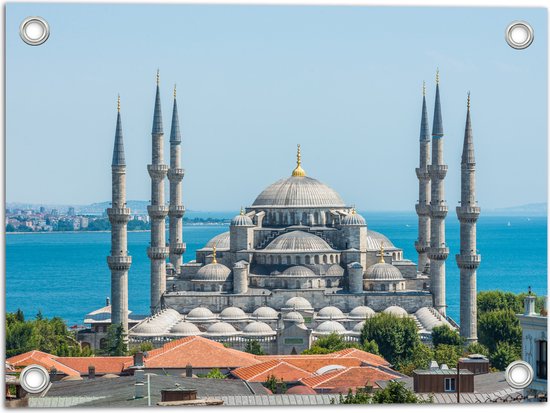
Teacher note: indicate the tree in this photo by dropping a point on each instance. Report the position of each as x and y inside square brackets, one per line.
[254, 347]
[396, 337]
[329, 344]
[499, 326]
[504, 354]
[447, 354]
[215, 374]
[116, 344]
[446, 335]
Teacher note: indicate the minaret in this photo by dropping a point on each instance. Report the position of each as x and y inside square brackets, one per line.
[157, 252]
[423, 207]
[438, 251]
[468, 260]
[175, 176]
[119, 261]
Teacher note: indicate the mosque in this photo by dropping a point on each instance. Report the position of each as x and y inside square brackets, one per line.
[296, 264]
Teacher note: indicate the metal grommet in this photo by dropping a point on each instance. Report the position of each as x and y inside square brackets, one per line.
[519, 35]
[34, 30]
[34, 378]
[519, 374]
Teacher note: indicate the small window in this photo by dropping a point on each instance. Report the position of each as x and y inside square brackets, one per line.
[450, 384]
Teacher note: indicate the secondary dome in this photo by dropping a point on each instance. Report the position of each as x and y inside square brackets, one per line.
[185, 328]
[361, 312]
[221, 329]
[233, 313]
[328, 327]
[383, 271]
[396, 311]
[298, 241]
[293, 317]
[258, 328]
[221, 241]
[298, 271]
[267, 313]
[298, 303]
[330, 313]
[213, 272]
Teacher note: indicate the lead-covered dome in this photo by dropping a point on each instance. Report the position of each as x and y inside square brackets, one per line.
[298, 241]
[213, 272]
[384, 272]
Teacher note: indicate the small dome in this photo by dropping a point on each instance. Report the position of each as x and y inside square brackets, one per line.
[330, 313]
[221, 329]
[361, 312]
[298, 271]
[359, 327]
[213, 272]
[353, 219]
[298, 241]
[265, 313]
[185, 328]
[200, 313]
[242, 220]
[293, 317]
[258, 328]
[383, 271]
[335, 269]
[328, 327]
[233, 313]
[396, 311]
[298, 303]
[221, 241]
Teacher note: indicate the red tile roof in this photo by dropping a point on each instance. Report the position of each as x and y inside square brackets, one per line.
[278, 368]
[198, 352]
[352, 377]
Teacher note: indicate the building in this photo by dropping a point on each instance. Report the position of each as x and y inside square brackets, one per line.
[299, 262]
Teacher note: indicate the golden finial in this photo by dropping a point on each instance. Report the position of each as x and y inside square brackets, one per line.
[424, 88]
[298, 171]
[437, 76]
[118, 104]
[214, 260]
[174, 90]
[468, 100]
[158, 77]
[382, 252]
[242, 211]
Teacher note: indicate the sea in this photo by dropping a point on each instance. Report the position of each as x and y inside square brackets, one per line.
[66, 274]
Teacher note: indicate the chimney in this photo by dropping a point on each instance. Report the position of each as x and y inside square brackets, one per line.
[138, 359]
[107, 302]
[91, 372]
[529, 303]
[189, 370]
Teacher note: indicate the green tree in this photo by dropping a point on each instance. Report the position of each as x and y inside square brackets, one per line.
[396, 337]
[329, 344]
[116, 343]
[446, 335]
[215, 374]
[499, 326]
[254, 347]
[504, 354]
[447, 354]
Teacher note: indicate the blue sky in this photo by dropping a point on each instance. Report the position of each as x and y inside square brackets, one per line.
[253, 81]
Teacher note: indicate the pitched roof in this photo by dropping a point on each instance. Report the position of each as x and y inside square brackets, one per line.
[279, 368]
[198, 352]
[352, 377]
[42, 359]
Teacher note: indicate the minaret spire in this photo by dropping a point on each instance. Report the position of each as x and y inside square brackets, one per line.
[468, 260]
[176, 208]
[438, 251]
[119, 261]
[157, 210]
[423, 206]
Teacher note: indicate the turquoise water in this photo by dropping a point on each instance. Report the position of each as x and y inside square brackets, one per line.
[66, 274]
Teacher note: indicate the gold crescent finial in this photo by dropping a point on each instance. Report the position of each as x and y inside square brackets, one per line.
[214, 260]
[382, 252]
[298, 171]
[437, 76]
[118, 104]
[468, 100]
[174, 90]
[424, 88]
[158, 77]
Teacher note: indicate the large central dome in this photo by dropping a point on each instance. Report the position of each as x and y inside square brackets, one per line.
[299, 191]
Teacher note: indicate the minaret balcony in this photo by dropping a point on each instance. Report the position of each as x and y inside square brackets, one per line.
[158, 171]
[176, 211]
[439, 211]
[158, 253]
[438, 253]
[422, 174]
[421, 247]
[157, 211]
[438, 171]
[120, 263]
[422, 209]
[176, 174]
[469, 261]
[467, 213]
[177, 248]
